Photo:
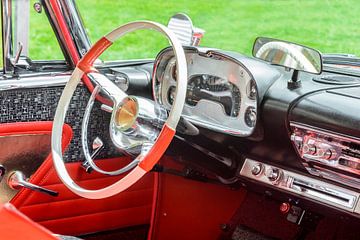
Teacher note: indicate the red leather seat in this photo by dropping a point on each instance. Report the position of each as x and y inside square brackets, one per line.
[15, 225]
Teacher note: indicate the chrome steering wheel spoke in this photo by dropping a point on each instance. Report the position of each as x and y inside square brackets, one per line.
[108, 87]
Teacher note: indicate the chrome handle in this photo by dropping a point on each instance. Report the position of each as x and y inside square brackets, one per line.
[17, 180]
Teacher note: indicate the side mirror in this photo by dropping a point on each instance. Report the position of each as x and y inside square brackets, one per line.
[186, 32]
[289, 55]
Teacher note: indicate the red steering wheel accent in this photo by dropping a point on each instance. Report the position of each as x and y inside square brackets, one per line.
[163, 142]
[86, 63]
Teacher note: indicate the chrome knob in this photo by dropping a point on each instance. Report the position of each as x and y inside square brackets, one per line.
[256, 169]
[274, 174]
[17, 180]
[310, 149]
[330, 154]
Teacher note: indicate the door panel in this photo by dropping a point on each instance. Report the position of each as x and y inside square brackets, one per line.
[68, 213]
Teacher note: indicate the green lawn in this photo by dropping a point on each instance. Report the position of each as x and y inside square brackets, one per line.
[330, 26]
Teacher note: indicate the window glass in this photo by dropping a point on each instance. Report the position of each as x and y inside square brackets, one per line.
[43, 44]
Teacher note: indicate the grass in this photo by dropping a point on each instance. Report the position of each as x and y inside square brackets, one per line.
[329, 26]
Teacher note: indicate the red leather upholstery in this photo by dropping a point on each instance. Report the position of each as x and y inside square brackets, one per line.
[188, 209]
[69, 214]
[16, 226]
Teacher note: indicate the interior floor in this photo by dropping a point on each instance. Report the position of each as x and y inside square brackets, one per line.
[131, 233]
[262, 215]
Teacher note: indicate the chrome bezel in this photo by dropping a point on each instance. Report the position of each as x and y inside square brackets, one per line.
[208, 114]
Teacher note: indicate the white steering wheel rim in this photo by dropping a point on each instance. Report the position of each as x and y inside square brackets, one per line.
[166, 134]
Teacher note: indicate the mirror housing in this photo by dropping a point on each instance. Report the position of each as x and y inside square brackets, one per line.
[287, 54]
[186, 32]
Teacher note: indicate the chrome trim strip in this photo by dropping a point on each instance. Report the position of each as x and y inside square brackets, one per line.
[57, 30]
[34, 82]
[7, 42]
[22, 26]
[332, 175]
[76, 26]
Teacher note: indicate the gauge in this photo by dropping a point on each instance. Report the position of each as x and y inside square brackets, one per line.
[213, 88]
[251, 90]
[250, 116]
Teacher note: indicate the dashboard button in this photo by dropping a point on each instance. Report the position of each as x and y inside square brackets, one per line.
[310, 149]
[329, 154]
[256, 169]
[274, 174]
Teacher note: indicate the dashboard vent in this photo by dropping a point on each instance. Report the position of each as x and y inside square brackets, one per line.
[337, 80]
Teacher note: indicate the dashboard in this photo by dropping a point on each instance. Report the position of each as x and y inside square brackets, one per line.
[302, 141]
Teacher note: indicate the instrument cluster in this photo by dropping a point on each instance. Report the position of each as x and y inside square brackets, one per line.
[221, 92]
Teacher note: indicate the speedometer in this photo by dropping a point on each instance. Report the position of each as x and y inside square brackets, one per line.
[216, 89]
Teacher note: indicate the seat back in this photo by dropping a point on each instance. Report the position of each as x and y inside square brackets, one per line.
[16, 226]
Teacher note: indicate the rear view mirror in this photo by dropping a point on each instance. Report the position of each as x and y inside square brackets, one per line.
[287, 54]
[186, 32]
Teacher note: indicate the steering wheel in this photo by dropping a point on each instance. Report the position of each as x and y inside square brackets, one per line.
[136, 123]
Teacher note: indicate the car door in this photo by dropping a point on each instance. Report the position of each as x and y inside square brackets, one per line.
[29, 93]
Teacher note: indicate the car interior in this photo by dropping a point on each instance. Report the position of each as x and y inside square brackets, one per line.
[196, 143]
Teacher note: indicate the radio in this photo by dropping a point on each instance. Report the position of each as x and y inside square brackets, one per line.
[327, 154]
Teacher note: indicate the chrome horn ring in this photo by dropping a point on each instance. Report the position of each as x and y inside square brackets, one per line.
[148, 158]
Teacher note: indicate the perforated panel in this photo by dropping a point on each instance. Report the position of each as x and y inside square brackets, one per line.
[39, 104]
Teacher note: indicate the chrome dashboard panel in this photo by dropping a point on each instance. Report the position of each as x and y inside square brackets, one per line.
[328, 154]
[222, 93]
[308, 187]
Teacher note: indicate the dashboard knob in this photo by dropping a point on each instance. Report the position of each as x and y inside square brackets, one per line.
[310, 149]
[329, 154]
[274, 174]
[256, 169]
[250, 117]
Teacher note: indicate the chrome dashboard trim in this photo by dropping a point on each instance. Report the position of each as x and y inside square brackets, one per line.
[310, 188]
[343, 155]
[323, 131]
[334, 176]
[227, 68]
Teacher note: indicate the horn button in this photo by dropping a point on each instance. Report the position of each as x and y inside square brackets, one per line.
[126, 114]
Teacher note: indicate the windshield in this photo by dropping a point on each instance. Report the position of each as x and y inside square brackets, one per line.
[329, 26]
